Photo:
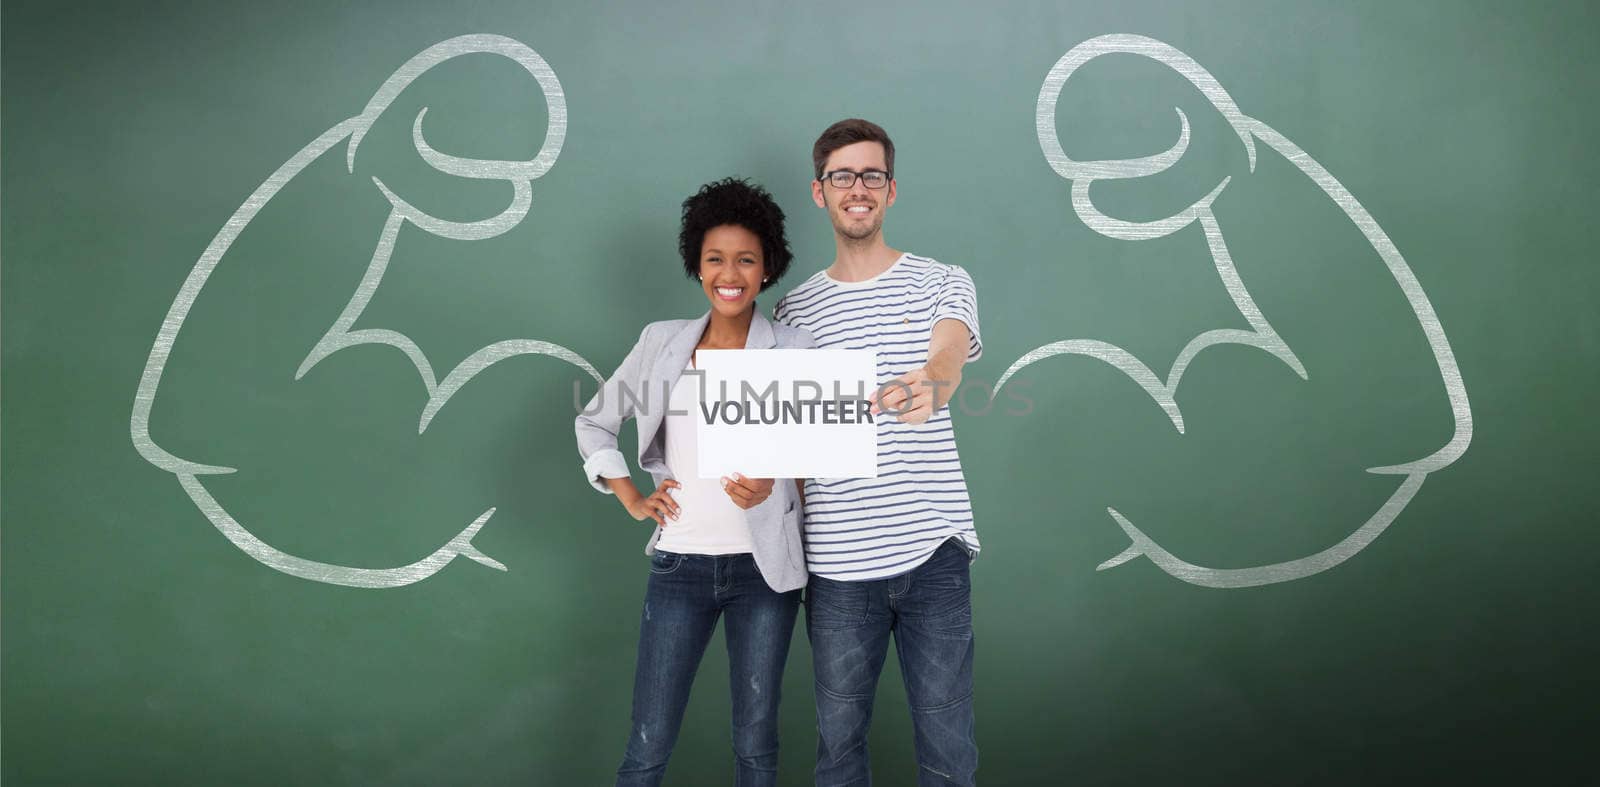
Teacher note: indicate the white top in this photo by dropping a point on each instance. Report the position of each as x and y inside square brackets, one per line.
[871, 528]
[708, 522]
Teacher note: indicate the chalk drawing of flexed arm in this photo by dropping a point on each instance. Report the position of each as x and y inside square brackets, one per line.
[1260, 334]
[342, 334]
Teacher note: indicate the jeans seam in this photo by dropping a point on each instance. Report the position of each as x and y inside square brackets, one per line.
[903, 592]
[843, 697]
[942, 706]
[746, 763]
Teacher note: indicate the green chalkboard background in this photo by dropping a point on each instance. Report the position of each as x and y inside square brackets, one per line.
[141, 646]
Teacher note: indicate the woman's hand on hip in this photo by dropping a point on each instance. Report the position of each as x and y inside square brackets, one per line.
[658, 505]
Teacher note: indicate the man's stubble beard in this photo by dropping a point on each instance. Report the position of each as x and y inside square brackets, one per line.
[860, 236]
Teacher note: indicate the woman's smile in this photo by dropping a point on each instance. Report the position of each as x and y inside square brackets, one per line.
[732, 265]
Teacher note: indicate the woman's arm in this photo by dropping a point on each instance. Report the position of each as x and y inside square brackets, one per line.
[597, 427]
[600, 421]
[658, 505]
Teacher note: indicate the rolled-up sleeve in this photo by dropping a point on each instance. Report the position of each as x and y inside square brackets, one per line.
[600, 421]
[605, 463]
[958, 300]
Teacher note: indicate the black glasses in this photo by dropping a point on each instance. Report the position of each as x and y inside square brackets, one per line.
[844, 178]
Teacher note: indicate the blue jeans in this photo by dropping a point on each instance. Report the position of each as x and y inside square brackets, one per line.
[686, 595]
[929, 612]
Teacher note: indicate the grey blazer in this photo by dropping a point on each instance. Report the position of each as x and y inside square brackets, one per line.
[658, 360]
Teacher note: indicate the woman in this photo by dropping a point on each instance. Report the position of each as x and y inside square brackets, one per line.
[730, 549]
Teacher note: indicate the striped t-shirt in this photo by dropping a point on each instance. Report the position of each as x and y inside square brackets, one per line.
[872, 528]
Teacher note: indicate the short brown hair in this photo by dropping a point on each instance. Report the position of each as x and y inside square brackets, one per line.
[848, 132]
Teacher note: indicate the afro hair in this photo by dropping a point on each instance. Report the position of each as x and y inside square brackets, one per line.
[742, 203]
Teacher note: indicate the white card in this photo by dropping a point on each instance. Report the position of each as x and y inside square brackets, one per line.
[787, 413]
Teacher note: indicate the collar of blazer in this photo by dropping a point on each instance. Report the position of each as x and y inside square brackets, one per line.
[668, 366]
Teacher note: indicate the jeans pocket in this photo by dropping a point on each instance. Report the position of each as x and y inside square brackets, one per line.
[941, 589]
[665, 562]
[831, 604]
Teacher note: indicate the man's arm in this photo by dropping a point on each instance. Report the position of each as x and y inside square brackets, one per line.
[915, 396]
[947, 354]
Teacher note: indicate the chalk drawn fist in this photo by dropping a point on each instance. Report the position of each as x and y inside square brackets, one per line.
[303, 305]
[1217, 245]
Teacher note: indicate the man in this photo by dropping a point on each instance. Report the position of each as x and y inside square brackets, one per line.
[889, 555]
